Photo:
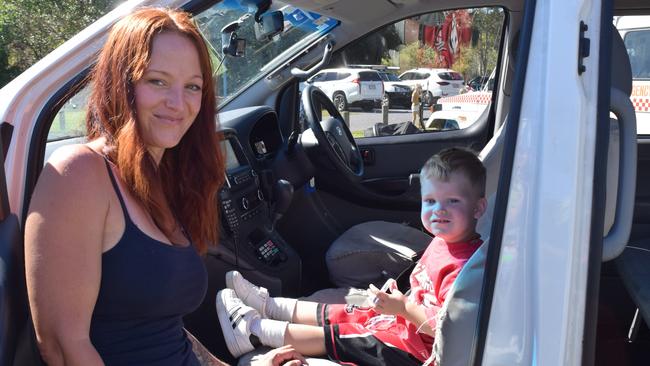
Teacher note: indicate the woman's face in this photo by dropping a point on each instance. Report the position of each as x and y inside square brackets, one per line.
[168, 96]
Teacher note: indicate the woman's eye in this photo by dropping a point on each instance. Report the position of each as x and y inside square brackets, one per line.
[454, 200]
[194, 87]
[157, 82]
[430, 201]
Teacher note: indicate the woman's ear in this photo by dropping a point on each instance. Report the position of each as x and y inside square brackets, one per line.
[481, 205]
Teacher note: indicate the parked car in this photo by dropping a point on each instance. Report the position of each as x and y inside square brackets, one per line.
[549, 290]
[350, 87]
[477, 82]
[436, 83]
[397, 92]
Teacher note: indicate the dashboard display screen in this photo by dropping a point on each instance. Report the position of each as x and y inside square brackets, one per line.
[231, 158]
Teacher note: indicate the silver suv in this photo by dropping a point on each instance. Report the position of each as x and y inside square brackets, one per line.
[350, 87]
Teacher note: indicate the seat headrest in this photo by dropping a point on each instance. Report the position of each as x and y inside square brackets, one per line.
[621, 71]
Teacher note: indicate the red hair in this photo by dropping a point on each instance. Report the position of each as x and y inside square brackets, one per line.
[183, 187]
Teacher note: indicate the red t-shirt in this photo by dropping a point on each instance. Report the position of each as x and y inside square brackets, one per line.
[431, 280]
[436, 271]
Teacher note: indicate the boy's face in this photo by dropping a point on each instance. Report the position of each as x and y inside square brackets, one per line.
[450, 208]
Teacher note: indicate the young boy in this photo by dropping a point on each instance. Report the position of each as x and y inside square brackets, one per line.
[398, 329]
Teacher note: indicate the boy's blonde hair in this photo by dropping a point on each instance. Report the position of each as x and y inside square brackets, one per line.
[443, 164]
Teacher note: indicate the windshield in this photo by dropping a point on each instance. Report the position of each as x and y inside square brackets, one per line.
[261, 55]
[387, 76]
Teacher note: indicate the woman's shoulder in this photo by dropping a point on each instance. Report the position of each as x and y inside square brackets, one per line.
[80, 165]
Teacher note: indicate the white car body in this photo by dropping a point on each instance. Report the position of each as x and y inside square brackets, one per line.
[351, 83]
[465, 108]
[432, 83]
[538, 311]
[638, 25]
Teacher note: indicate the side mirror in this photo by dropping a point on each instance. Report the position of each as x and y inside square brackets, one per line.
[269, 25]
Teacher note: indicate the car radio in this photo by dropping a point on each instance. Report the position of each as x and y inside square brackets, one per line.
[244, 212]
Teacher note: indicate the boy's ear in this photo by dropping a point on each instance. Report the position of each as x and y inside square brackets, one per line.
[481, 205]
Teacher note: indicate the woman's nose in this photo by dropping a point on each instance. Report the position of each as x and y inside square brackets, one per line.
[174, 98]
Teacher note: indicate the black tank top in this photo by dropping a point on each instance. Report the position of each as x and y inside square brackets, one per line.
[147, 286]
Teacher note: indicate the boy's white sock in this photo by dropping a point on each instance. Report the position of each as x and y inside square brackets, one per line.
[270, 332]
[280, 308]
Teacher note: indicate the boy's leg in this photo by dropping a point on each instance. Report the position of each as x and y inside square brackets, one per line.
[278, 308]
[305, 313]
[240, 323]
[306, 339]
[258, 298]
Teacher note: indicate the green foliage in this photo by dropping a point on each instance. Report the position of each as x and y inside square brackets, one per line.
[415, 55]
[482, 58]
[30, 29]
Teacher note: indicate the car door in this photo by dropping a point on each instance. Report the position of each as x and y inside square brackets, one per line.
[13, 300]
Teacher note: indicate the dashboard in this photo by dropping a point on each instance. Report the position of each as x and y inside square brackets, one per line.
[248, 199]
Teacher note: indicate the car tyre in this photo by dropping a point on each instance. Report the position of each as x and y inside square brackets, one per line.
[368, 107]
[340, 101]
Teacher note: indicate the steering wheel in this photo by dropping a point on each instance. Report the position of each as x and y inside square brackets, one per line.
[332, 134]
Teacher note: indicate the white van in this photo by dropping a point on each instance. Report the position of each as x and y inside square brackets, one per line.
[635, 30]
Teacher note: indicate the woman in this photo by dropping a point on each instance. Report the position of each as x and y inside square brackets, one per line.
[416, 97]
[116, 225]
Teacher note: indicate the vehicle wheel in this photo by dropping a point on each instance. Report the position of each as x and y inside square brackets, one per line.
[340, 102]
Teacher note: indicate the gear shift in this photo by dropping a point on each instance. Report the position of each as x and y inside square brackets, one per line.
[283, 192]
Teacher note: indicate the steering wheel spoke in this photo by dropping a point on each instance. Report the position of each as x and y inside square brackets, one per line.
[332, 134]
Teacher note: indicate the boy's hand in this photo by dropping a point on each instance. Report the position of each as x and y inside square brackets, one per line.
[389, 304]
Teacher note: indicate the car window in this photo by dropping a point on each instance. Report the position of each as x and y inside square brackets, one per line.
[450, 76]
[342, 75]
[438, 51]
[70, 121]
[317, 77]
[637, 43]
[369, 76]
[638, 48]
[407, 76]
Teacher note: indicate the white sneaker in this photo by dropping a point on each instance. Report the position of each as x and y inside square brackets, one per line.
[235, 318]
[250, 294]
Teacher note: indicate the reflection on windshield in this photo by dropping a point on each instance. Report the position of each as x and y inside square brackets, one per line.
[261, 55]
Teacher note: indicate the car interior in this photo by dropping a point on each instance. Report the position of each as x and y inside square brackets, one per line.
[308, 201]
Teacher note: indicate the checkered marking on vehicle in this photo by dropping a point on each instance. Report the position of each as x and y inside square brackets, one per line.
[471, 98]
[641, 104]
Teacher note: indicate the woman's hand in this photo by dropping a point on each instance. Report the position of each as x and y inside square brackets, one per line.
[389, 304]
[283, 356]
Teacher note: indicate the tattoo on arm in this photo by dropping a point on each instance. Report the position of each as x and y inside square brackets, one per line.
[205, 357]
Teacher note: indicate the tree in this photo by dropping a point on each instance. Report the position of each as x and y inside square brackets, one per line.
[488, 23]
[30, 29]
[415, 55]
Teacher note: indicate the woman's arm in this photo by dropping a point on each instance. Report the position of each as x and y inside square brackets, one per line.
[205, 357]
[63, 248]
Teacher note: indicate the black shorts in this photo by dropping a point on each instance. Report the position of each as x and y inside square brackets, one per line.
[360, 348]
